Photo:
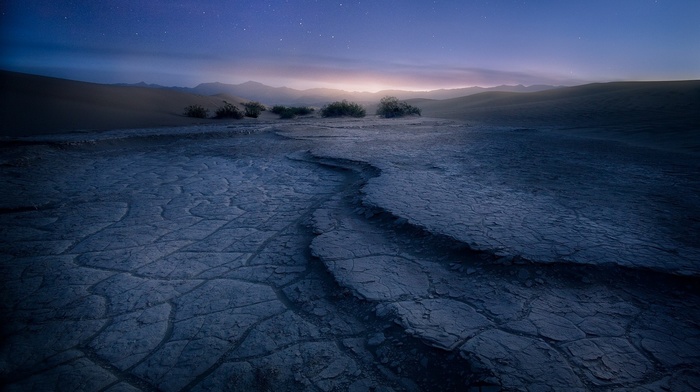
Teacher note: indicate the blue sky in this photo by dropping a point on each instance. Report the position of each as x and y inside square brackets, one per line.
[356, 45]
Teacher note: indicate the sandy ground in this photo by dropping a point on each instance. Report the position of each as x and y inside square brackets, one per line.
[350, 254]
[325, 254]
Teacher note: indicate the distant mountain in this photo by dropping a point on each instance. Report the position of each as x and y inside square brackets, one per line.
[319, 96]
[139, 84]
[252, 90]
[463, 92]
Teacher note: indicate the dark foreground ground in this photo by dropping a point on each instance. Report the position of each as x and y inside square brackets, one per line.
[357, 255]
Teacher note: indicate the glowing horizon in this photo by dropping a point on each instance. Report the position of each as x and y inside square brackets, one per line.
[354, 46]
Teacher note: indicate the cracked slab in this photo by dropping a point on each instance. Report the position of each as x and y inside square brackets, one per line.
[167, 263]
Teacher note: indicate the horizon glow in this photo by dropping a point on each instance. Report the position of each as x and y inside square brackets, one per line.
[355, 46]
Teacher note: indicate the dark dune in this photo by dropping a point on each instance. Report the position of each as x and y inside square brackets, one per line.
[662, 114]
[40, 105]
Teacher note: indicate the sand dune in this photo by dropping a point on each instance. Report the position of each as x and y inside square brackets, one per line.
[592, 104]
[37, 105]
[664, 114]
[659, 114]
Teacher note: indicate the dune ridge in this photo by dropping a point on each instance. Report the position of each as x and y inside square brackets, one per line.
[34, 105]
[659, 114]
[590, 104]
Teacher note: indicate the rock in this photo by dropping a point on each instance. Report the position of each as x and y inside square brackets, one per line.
[443, 322]
[609, 361]
[520, 362]
[376, 339]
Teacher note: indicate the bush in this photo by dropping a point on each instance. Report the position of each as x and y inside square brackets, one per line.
[196, 111]
[302, 110]
[278, 109]
[253, 109]
[291, 112]
[344, 108]
[287, 114]
[392, 107]
[228, 111]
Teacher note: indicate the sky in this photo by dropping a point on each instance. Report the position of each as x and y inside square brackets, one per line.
[354, 45]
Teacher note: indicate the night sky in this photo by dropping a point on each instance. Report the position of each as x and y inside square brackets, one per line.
[356, 45]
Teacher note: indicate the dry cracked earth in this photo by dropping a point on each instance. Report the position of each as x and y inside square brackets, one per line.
[368, 255]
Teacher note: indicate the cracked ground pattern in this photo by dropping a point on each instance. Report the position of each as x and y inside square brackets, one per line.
[156, 265]
[335, 258]
[586, 277]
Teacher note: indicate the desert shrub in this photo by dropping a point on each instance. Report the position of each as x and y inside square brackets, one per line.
[302, 110]
[287, 113]
[253, 109]
[278, 109]
[410, 109]
[196, 111]
[344, 108]
[228, 111]
[392, 107]
[290, 112]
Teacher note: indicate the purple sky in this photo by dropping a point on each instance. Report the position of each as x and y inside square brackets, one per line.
[356, 45]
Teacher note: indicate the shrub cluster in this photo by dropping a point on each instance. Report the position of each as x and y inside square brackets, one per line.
[344, 108]
[291, 112]
[392, 107]
[228, 111]
[196, 111]
[253, 109]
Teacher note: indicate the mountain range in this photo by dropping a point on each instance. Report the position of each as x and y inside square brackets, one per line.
[319, 96]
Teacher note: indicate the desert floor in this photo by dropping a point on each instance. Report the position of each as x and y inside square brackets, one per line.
[371, 254]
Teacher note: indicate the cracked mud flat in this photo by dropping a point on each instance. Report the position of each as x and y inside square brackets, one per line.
[348, 255]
